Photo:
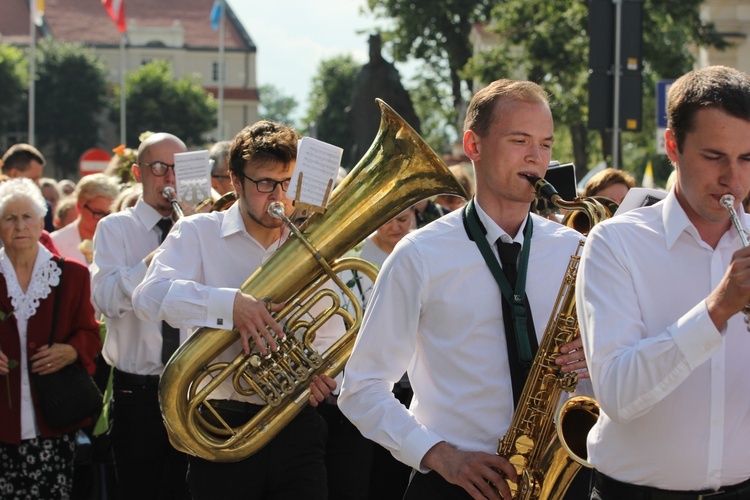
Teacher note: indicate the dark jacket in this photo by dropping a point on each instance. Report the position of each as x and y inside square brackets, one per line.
[76, 326]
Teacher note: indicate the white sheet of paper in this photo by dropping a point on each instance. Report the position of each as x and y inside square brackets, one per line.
[192, 176]
[319, 163]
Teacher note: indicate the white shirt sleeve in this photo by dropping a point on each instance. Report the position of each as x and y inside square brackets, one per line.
[382, 353]
[631, 369]
[113, 279]
[173, 291]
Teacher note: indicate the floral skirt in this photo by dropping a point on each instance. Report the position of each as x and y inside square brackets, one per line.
[39, 468]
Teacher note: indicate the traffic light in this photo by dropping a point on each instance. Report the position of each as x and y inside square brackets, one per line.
[602, 29]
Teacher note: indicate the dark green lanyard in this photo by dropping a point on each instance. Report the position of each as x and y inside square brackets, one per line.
[515, 298]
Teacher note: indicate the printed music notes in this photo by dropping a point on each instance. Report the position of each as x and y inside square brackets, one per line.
[314, 174]
[192, 176]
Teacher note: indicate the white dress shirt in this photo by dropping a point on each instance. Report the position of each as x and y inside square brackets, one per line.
[194, 277]
[67, 240]
[436, 313]
[121, 242]
[671, 386]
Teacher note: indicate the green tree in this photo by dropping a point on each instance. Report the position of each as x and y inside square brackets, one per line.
[330, 96]
[156, 101]
[547, 41]
[275, 106]
[71, 94]
[13, 82]
[436, 31]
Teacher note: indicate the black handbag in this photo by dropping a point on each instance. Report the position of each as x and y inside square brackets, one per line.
[69, 395]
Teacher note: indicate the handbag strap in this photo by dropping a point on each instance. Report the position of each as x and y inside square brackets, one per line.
[56, 307]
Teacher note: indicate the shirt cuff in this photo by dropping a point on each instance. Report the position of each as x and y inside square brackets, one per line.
[416, 445]
[696, 335]
[220, 308]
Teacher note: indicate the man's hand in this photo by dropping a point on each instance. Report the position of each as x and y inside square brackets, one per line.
[572, 358]
[732, 293]
[476, 472]
[320, 387]
[252, 318]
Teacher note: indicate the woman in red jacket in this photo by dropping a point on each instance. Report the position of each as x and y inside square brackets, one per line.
[36, 461]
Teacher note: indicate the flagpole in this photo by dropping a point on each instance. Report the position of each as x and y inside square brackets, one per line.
[220, 119]
[123, 122]
[32, 73]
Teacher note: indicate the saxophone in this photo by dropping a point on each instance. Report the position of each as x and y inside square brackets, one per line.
[547, 452]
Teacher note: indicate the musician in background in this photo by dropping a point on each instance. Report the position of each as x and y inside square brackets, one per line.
[660, 295]
[437, 314]
[194, 281]
[147, 466]
[219, 157]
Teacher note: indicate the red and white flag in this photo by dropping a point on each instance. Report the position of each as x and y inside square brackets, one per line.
[116, 10]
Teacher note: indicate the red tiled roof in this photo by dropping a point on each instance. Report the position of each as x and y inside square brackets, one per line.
[86, 21]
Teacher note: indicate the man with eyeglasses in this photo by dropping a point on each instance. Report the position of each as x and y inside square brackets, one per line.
[94, 195]
[195, 279]
[147, 465]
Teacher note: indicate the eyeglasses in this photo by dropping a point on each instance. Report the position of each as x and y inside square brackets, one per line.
[96, 213]
[268, 185]
[159, 168]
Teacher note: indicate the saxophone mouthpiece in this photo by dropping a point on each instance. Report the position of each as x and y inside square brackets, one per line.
[543, 188]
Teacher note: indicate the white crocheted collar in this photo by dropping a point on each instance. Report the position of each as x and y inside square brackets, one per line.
[46, 274]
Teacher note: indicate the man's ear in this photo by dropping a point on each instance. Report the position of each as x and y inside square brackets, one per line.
[471, 145]
[670, 144]
[136, 173]
[236, 183]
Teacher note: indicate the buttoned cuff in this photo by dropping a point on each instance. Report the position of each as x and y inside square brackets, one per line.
[416, 445]
[696, 335]
[220, 308]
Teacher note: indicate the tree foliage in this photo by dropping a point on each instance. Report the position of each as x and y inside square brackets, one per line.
[330, 97]
[71, 94]
[13, 82]
[275, 106]
[436, 31]
[156, 101]
[547, 41]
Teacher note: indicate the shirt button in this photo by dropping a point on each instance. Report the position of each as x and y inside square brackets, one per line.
[32, 345]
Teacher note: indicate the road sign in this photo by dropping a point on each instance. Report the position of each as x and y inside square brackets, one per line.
[662, 88]
[93, 161]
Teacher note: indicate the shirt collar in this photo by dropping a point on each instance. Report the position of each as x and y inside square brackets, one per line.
[676, 222]
[148, 215]
[494, 232]
[233, 223]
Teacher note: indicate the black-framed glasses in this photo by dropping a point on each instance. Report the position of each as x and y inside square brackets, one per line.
[159, 168]
[268, 185]
[97, 214]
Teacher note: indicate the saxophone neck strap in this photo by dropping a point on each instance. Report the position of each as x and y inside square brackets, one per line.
[516, 298]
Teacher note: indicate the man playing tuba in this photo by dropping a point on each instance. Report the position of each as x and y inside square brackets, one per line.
[194, 281]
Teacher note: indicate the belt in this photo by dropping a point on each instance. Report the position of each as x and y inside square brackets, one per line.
[134, 379]
[606, 485]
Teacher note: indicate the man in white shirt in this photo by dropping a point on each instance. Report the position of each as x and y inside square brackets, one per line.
[147, 466]
[660, 296]
[195, 280]
[436, 312]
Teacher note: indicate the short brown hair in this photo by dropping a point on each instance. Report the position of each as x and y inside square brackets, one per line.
[19, 157]
[606, 178]
[480, 115]
[263, 141]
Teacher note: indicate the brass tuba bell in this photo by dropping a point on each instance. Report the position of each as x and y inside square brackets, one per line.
[398, 170]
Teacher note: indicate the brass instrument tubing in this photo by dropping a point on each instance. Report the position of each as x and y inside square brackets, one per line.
[170, 195]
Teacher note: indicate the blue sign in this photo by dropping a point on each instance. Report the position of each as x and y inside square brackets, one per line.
[662, 87]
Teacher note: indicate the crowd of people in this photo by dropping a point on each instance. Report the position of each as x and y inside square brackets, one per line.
[450, 329]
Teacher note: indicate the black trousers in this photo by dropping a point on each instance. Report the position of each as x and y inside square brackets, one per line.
[290, 467]
[147, 465]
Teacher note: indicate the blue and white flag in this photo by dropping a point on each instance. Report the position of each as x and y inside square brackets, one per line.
[216, 14]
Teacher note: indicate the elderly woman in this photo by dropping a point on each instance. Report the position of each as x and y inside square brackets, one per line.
[94, 196]
[36, 461]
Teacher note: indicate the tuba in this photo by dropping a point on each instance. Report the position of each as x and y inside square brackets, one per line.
[547, 452]
[398, 170]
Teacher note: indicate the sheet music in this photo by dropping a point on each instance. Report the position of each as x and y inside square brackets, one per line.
[192, 176]
[318, 162]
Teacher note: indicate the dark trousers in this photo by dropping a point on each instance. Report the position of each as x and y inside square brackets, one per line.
[348, 456]
[290, 467]
[432, 486]
[147, 465]
[390, 477]
[607, 488]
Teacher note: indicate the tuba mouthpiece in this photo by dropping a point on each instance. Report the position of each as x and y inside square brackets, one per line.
[277, 209]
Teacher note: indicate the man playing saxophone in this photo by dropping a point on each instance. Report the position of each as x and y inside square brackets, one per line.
[660, 298]
[194, 281]
[437, 311]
